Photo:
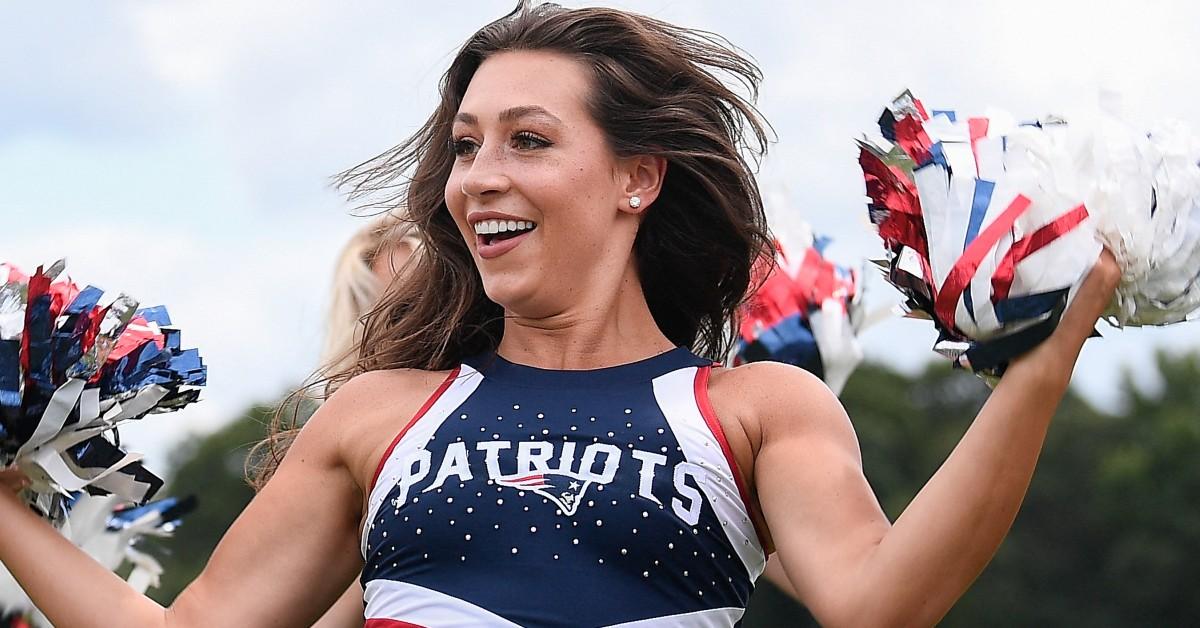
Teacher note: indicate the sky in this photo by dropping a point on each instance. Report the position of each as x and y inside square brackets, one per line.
[181, 151]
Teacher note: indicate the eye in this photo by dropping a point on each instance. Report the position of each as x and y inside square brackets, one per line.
[530, 141]
[463, 146]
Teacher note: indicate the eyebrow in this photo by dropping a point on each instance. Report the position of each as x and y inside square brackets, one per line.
[511, 114]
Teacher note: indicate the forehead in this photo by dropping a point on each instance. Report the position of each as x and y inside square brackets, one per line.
[520, 78]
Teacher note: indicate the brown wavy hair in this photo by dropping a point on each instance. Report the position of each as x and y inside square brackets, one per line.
[657, 89]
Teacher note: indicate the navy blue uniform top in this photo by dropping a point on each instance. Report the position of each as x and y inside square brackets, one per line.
[531, 497]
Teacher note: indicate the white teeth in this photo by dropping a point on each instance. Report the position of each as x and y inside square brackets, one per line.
[489, 227]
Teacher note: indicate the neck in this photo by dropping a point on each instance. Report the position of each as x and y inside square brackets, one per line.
[615, 329]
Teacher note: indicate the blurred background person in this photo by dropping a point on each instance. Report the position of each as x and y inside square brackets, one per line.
[368, 264]
[364, 269]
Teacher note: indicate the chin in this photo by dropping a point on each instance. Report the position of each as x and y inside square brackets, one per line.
[508, 291]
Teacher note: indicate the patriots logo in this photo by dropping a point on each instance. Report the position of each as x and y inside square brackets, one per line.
[564, 489]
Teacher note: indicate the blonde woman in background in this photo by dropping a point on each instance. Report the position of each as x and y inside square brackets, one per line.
[365, 268]
[367, 264]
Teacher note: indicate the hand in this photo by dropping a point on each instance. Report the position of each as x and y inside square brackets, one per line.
[13, 480]
[1058, 354]
[1092, 299]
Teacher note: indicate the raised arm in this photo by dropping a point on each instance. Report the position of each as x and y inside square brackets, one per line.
[282, 563]
[848, 564]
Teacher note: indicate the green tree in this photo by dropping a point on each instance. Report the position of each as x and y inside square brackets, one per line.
[1109, 534]
[211, 468]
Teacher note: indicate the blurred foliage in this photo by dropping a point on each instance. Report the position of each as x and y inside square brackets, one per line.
[213, 469]
[210, 468]
[1109, 534]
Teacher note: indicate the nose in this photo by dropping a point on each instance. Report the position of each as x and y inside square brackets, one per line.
[485, 176]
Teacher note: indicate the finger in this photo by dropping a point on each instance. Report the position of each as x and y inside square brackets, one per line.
[8, 479]
[14, 476]
[1093, 297]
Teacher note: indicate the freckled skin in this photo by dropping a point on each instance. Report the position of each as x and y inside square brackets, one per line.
[569, 187]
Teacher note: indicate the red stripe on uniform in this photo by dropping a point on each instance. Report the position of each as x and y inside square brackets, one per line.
[420, 413]
[389, 623]
[714, 425]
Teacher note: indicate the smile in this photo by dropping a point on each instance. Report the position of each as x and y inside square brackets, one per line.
[502, 229]
[494, 238]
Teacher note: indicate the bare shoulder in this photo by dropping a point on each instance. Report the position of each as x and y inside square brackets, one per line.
[367, 412]
[375, 390]
[776, 400]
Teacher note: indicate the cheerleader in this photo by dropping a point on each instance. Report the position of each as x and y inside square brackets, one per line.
[536, 433]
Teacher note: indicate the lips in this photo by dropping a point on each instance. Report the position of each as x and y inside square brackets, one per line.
[497, 234]
[491, 247]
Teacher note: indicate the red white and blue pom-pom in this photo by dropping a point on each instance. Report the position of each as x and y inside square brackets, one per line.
[109, 531]
[74, 365]
[128, 524]
[806, 311]
[990, 224]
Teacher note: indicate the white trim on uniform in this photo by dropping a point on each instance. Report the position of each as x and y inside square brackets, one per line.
[711, 618]
[387, 599]
[416, 438]
[676, 396]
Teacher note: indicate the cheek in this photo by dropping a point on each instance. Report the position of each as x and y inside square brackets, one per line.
[587, 201]
[453, 195]
[573, 186]
[456, 202]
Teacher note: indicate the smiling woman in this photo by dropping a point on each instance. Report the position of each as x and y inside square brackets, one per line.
[536, 433]
[532, 123]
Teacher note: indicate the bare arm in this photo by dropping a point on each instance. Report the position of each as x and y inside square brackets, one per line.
[346, 612]
[777, 576]
[849, 565]
[50, 568]
[290, 554]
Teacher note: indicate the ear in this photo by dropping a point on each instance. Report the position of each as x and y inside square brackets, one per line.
[643, 176]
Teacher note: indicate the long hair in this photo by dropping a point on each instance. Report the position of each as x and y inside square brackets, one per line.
[357, 287]
[656, 89]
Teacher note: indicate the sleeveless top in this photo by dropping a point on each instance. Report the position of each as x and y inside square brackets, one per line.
[520, 496]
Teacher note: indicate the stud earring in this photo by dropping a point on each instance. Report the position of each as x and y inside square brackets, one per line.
[635, 202]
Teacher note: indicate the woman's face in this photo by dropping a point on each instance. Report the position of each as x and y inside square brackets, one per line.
[529, 156]
[389, 260]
